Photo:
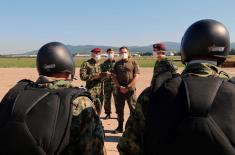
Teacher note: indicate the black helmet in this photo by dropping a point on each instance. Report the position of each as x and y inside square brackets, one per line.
[55, 58]
[205, 39]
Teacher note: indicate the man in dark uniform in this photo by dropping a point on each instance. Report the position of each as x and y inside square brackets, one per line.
[190, 114]
[85, 134]
[109, 87]
[125, 74]
[90, 72]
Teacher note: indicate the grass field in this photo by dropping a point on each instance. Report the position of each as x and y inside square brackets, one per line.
[146, 61]
[31, 62]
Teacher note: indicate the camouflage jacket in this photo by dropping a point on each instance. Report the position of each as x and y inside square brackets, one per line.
[108, 66]
[86, 133]
[131, 142]
[163, 66]
[88, 70]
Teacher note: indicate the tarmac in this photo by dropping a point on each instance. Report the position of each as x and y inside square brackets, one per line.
[9, 77]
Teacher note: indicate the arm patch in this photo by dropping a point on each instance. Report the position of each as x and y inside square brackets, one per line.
[81, 103]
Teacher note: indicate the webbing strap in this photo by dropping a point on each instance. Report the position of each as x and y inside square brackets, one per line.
[25, 101]
[201, 92]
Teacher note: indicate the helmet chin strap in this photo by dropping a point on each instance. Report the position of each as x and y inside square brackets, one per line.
[202, 61]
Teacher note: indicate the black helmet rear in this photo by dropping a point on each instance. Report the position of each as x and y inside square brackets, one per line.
[205, 39]
[55, 58]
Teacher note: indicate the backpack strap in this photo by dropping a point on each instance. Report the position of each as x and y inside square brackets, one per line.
[232, 80]
[160, 79]
[25, 101]
[201, 92]
[72, 93]
[22, 84]
[15, 130]
[13, 92]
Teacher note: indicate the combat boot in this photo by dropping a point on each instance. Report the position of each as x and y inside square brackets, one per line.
[119, 128]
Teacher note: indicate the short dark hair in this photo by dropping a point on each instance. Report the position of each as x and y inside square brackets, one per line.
[110, 49]
[123, 47]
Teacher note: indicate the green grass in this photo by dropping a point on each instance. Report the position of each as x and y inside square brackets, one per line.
[17, 62]
[147, 61]
[150, 61]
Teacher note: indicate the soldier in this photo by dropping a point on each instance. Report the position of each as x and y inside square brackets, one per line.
[162, 63]
[125, 74]
[50, 116]
[191, 113]
[90, 72]
[109, 87]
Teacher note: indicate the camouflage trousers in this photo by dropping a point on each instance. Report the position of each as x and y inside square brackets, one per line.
[97, 95]
[109, 90]
[130, 97]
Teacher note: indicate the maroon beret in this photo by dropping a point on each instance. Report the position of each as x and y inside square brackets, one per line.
[96, 50]
[159, 46]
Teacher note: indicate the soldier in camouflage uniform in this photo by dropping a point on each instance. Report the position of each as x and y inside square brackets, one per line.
[125, 74]
[90, 72]
[56, 69]
[198, 64]
[86, 129]
[162, 63]
[132, 137]
[109, 87]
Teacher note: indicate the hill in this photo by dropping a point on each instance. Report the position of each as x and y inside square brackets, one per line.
[85, 49]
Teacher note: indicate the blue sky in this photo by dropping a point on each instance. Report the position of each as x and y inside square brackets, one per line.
[28, 24]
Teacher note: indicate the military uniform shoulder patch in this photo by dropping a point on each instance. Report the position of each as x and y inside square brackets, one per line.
[81, 103]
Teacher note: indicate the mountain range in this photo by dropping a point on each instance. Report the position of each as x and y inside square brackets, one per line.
[85, 49]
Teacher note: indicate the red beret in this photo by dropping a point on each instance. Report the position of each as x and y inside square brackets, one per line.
[159, 46]
[96, 50]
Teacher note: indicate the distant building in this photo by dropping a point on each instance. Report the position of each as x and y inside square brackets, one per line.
[82, 55]
[170, 53]
[134, 55]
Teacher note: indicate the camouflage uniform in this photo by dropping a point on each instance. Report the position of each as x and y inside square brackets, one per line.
[88, 70]
[131, 142]
[162, 66]
[109, 87]
[125, 72]
[86, 134]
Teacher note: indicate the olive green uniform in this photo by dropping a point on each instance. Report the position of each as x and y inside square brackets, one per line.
[109, 87]
[125, 71]
[88, 70]
[131, 142]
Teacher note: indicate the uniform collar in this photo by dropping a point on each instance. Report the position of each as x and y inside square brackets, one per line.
[52, 82]
[202, 69]
[163, 59]
[125, 60]
[203, 61]
[93, 61]
[108, 60]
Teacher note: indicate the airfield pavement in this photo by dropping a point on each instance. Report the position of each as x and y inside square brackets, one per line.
[9, 77]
